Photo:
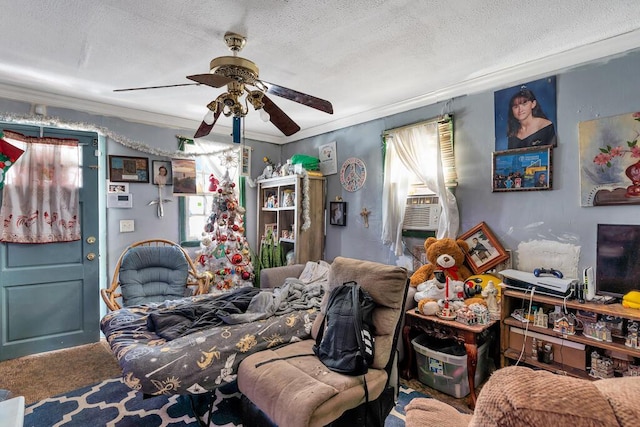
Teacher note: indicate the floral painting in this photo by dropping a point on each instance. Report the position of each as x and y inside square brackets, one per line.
[610, 160]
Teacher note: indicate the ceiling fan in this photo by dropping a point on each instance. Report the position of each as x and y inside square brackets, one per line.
[241, 77]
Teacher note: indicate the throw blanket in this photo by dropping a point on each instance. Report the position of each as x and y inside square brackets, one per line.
[208, 358]
[242, 305]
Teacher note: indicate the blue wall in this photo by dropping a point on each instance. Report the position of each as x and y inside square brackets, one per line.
[600, 89]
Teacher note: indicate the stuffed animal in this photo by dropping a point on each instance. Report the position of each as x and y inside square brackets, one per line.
[428, 306]
[446, 255]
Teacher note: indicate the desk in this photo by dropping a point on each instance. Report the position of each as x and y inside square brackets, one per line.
[469, 335]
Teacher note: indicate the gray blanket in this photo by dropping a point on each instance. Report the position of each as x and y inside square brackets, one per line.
[293, 295]
[241, 305]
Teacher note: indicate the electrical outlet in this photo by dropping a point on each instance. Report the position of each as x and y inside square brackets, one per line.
[127, 226]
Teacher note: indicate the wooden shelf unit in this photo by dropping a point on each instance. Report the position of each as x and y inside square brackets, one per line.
[514, 299]
[308, 245]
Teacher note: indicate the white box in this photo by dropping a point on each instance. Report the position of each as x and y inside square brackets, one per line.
[446, 372]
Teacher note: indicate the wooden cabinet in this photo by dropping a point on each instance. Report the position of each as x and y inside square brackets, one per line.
[293, 207]
[571, 353]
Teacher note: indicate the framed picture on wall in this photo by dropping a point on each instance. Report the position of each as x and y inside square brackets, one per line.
[128, 169]
[522, 169]
[485, 251]
[338, 213]
[525, 115]
[162, 172]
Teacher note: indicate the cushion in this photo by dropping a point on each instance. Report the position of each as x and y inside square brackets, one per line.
[153, 274]
[518, 395]
[432, 412]
[301, 391]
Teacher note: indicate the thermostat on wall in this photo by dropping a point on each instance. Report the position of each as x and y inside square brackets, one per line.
[119, 200]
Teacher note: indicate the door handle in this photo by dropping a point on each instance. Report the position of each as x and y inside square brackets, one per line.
[91, 256]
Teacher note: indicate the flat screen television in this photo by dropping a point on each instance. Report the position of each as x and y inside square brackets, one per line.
[617, 259]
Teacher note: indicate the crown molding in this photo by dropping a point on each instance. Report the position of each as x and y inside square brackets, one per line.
[603, 50]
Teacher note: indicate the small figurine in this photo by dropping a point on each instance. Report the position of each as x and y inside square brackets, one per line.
[541, 319]
[490, 293]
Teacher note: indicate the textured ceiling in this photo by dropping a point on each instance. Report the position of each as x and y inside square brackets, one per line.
[370, 58]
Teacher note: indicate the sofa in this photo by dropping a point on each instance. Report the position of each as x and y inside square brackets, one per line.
[521, 396]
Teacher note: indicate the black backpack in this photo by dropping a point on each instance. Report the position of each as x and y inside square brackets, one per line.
[345, 339]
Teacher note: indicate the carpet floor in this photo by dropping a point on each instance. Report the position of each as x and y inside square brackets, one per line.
[49, 374]
[56, 373]
[112, 403]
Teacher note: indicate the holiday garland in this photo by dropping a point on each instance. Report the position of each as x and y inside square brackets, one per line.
[37, 120]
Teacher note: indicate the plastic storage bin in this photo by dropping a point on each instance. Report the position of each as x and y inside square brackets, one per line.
[448, 372]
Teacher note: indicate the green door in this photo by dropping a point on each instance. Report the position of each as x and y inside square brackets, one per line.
[49, 293]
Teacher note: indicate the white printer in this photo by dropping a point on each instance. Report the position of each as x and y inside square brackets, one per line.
[548, 285]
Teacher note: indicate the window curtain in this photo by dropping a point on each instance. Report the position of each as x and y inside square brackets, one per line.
[40, 200]
[414, 149]
[217, 164]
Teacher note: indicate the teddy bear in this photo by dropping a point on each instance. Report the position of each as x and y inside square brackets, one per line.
[446, 255]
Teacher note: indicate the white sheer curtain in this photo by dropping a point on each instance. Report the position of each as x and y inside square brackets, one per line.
[414, 150]
[40, 199]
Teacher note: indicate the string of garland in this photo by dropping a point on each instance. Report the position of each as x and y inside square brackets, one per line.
[38, 120]
[305, 201]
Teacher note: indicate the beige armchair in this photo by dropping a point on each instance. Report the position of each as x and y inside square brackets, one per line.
[294, 389]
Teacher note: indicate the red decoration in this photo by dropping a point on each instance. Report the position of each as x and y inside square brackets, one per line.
[213, 183]
[236, 258]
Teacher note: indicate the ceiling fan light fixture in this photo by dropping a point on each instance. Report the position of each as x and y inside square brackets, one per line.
[264, 116]
[208, 118]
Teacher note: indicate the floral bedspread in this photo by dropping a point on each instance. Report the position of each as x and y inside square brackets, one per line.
[198, 362]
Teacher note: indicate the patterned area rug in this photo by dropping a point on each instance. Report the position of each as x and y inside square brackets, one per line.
[113, 403]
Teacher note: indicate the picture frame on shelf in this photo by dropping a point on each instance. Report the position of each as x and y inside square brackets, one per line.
[273, 228]
[485, 251]
[522, 169]
[338, 213]
[128, 169]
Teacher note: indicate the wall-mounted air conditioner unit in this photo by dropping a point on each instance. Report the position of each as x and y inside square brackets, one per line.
[422, 213]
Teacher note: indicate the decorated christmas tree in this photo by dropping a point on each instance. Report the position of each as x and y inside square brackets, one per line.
[224, 251]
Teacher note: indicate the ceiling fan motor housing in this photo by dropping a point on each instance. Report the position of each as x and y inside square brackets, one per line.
[234, 67]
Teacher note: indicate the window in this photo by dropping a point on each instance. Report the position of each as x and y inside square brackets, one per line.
[213, 159]
[421, 153]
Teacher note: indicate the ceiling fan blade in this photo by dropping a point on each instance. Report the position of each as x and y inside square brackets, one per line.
[213, 80]
[205, 128]
[156, 87]
[279, 118]
[299, 97]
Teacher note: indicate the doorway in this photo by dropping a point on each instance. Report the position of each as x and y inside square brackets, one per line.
[49, 293]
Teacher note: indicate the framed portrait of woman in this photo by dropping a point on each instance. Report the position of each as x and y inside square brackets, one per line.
[162, 172]
[525, 115]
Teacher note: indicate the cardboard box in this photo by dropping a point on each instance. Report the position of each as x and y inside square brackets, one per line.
[565, 352]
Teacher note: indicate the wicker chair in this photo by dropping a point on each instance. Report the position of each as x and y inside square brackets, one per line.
[153, 270]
